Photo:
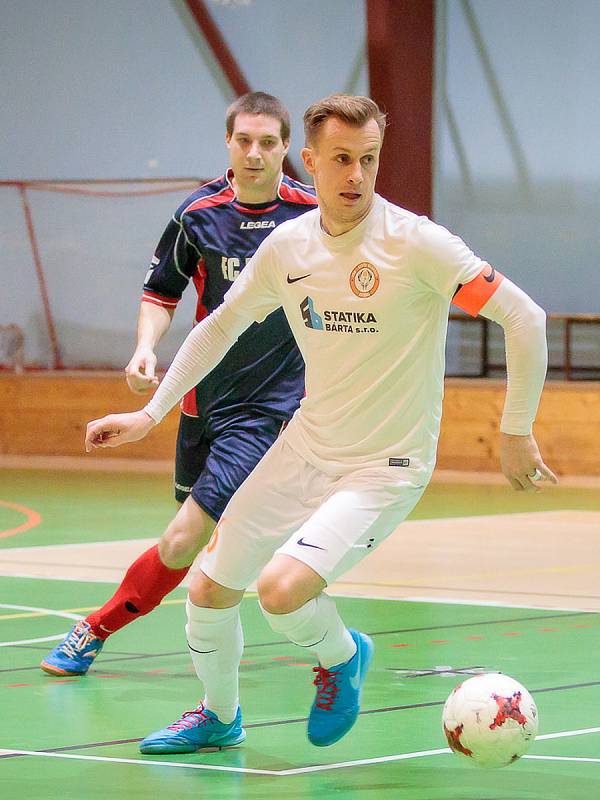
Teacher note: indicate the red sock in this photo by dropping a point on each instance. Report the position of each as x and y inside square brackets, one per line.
[145, 584]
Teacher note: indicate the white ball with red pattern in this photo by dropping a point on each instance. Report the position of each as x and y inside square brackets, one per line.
[490, 720]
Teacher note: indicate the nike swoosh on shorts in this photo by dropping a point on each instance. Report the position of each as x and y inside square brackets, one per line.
[308, 544]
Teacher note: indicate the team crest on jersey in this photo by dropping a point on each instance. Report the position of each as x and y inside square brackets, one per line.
[364, 279]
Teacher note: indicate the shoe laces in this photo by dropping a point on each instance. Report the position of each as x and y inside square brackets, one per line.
[78, 639]
[191, 719]
[327, 687]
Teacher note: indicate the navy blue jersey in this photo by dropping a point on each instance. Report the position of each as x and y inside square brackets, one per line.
[209, 240]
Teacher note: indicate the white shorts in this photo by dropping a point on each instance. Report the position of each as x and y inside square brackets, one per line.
[288, 506]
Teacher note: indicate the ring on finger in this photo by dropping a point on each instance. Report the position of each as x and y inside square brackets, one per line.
[535, 476]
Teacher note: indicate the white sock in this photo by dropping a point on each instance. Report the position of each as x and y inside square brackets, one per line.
[318, 627]
[216, 643]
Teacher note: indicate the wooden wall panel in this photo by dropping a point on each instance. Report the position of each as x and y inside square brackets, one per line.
[567, 427]
[46, 414]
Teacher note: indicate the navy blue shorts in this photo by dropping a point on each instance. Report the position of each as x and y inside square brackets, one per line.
[213, 457]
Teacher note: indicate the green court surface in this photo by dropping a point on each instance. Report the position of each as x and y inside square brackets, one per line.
[81, 734]
[91, 506]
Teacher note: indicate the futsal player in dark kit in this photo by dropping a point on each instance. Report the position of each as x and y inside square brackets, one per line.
[232, 417]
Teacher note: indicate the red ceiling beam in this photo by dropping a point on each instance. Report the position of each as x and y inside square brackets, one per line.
[212, 34]
[400, 36]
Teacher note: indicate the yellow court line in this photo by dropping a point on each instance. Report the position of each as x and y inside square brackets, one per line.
[429, 580]
[24, 615]
[430, 583]
[31, 614]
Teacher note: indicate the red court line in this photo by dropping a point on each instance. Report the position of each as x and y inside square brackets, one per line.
[33, 519]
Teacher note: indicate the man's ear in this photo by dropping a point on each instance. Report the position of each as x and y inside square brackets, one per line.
[286, 147]
[308, 159]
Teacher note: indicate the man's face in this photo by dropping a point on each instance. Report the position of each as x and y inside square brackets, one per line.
[256, 152]
[343, 161]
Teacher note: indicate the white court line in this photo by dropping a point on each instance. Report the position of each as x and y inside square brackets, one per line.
[564, 734]
[300, 770]
[422, 753]
[56, 577]
[362, 761]
[34, 641]
[52, 612]
[563, 758]
[49, 612]
[138, 761]
[217, 768]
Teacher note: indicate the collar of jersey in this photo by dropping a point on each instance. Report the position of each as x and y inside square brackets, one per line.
[354, 234]
[251, 208]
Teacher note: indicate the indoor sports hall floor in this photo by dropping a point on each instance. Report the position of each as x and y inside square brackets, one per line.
[479, 579]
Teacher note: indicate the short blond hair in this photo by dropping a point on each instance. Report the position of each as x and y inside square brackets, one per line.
[353, 109]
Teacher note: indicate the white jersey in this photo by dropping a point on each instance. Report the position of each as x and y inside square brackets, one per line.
[369, 311]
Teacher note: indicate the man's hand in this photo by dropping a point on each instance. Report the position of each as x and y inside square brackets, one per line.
[140, 371]
[522, 463]
[117, 429]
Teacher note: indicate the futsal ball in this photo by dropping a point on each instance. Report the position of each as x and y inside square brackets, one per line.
[490, 719]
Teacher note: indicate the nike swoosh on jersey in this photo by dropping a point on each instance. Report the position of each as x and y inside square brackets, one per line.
[308, 544]
[490, 278]
[301, 278]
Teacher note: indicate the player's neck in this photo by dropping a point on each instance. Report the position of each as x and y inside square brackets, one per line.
[255, 194]
[336, 227]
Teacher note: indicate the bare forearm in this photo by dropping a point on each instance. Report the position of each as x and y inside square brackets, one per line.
[153, 323]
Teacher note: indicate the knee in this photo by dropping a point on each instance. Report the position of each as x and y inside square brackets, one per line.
[205, 593]
[175, 550]
[277, 593]
[286, 584]
[178, 547]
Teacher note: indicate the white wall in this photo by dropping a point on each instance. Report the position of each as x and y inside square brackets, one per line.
[533, 205]
[101, 89]
[126, 88]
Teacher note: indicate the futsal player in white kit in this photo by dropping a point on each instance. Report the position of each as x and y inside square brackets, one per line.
[366, 287]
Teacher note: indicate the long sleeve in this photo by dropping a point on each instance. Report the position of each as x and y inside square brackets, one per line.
[201, 351]
[524, 325]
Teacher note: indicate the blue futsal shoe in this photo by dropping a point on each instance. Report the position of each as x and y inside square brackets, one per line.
[196, 729]
[75, 654]
[336, 706]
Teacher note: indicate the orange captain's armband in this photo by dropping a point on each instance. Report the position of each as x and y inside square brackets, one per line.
[471, 297]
